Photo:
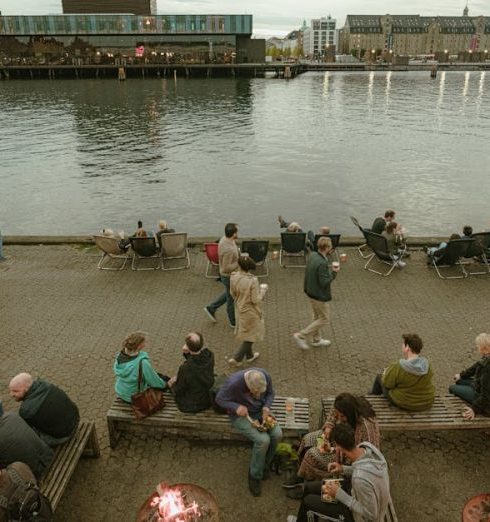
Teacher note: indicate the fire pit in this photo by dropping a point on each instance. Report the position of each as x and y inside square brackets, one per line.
[179, 503]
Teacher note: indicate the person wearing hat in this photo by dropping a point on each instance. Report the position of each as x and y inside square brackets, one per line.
[247, 397]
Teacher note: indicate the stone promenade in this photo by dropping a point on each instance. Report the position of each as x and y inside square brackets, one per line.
[64, 320]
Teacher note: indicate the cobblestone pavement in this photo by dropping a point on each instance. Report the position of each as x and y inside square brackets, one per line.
[63, 320]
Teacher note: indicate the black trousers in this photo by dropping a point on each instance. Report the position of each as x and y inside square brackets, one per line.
[379, 389]
[312, 502]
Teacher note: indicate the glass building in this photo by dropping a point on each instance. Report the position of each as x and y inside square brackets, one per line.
[98, 39]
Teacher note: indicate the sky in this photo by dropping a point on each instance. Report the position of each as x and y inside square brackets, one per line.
[278, 17]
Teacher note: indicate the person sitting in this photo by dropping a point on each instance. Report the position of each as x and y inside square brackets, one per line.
[247, 396]
[46, 408]
[437, 252]
[11, 477]
[473, 384]
[127, 364]
[369, 497]
[20, 443]
[296, 227]
[379, 224]
[393, 240]
[408, 382]
[467, 231]
[195, 378]
[163, 229]
[122, 241]
[315, 452]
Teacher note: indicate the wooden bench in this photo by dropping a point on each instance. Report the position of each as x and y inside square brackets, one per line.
[445, 414]
[207, 425]
[66, 458]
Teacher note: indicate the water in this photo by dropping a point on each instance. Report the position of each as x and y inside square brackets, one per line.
[76, 156]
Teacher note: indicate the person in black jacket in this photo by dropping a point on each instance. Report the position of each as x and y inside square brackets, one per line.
[20, 443]
[379, 224]
[195, 378]
[318, 278]
[46, 408]
[473, 384]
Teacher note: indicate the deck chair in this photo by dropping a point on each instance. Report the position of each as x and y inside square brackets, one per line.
[335, 242]
[478, 249]
[110, 250]
[211, 250]
[293, 245]
[378, 244]
[363, 232]
[174, 247]
[454, 252]
[144, 248]
[257, 250]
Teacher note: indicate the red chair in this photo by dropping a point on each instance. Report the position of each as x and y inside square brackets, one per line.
[211, 250]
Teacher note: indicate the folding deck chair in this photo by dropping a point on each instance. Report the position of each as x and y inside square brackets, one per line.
[110, 250]
[293, 245]
[335, 242]
[174, 247]
[257, 250]
[453, 254]
[379, 245]
[211, 250]
[363, 232]
[478, 250]
[144, 248]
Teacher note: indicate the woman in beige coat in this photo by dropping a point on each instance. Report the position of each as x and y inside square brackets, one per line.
[248, 296]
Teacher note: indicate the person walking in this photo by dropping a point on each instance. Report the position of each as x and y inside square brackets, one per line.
[318, 278]
[248, 296]
[228, 262]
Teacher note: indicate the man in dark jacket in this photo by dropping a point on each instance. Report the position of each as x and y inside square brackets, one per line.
[318, 278]
[379, 224]
[20, 443]
[195, 378]
[46, 408]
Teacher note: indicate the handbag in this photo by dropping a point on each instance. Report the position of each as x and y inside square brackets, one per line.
[147, 402]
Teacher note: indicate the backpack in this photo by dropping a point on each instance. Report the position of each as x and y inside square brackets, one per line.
[285, 459]
[25, 502]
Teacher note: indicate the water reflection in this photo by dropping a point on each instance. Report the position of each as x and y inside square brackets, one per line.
[80, 155]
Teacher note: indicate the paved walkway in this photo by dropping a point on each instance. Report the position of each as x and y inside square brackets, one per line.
[63, 320]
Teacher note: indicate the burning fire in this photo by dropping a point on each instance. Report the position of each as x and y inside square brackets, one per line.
[171, 506]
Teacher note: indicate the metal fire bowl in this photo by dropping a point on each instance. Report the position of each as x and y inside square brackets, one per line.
[206, 501]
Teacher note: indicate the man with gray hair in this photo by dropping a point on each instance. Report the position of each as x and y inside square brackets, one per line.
[247, 396]
[318, 278]
[46, 408]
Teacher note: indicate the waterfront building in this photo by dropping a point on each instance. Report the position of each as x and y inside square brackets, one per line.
[124, 38]
[415, 35]
[319, 39]
[290, 45]
[136, 7]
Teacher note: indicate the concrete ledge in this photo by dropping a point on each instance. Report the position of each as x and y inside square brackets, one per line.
[197, 241]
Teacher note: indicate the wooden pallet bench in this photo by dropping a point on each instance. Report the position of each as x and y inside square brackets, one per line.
[445, 414]
[207, 425]
[66, 458]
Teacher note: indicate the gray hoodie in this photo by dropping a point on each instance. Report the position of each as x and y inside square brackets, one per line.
[370, 486]
[417, 366]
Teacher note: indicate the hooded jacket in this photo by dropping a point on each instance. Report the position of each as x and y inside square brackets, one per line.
[409, 382]
[48, 409]
[126, 369]
[370, 493]
[195, 379]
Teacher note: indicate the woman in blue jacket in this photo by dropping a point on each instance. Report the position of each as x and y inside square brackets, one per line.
[126, 368]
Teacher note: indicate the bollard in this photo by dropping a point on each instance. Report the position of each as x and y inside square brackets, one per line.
[1, 247]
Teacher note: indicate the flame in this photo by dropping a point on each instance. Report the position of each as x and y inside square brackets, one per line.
[171, 507]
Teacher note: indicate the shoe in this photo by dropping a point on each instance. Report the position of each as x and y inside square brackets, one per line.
[300, 341]
[292, 518]
[234, 362]
[255, 486]
[293, 482]
[252, 359]
[401, 264]
[210, 314]
[232, 325]
[321, 342]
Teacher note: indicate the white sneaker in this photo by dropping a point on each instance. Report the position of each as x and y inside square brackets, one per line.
[321, 342]
[234, 362]
[401, 264]
[252, 359]
[291, 518]
[300, 341]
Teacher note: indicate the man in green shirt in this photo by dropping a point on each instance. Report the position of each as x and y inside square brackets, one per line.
[407, 383]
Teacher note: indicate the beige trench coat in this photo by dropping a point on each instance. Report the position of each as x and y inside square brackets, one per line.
[245, 290]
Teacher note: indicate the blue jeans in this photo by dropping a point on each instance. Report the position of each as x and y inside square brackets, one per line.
[264, 445]
[225, 297]
[464, 389]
